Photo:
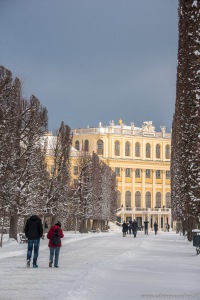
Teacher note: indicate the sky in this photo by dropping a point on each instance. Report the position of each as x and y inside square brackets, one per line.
[104, 266]
[91, 61]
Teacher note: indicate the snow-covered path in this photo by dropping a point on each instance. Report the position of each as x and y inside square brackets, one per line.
[104, 266]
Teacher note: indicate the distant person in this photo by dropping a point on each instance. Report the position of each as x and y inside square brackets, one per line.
[46, 227]
[142, 227]
[134, 227]
[124, 228]
[146, 225]
[127, 223]
[155, 227]
[33, 231]
[55, 235]
[167, 227]
[130, 226]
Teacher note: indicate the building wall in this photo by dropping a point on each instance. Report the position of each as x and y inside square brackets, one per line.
[122, 134]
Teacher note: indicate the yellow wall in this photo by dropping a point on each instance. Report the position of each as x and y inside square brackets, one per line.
[123, 134]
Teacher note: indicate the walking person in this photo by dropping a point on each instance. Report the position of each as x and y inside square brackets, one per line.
[124, 228]
[167, 227]
[33, 231]
[127, 223]
[54, 235]
[155, 227]
[45, 228]
[134, 227]
[146, 225]
[130, 226]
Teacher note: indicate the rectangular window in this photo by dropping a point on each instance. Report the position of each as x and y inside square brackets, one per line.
[75, 183]
[148, 173]
[128, 172]
[158, 174]
[100, 151]
[100, 147]
[75, 170]
[117, 172]
[52, 169]
[137, 173]
[168, 175]
[127, 149]
[117, 152]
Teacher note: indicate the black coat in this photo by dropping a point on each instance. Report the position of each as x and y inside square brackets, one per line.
[155, 226]
[146, 224]
[134, 226]
[124, 227]
[33, 228]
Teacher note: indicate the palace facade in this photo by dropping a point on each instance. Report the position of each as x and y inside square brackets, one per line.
[140, 157]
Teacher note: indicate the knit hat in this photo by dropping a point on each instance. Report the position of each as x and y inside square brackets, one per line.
[58, 224]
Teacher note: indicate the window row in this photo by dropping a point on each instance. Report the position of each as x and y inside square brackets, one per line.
[148, 200]
[138, 173]
[100, 149]
[138, 150]
[85, 145]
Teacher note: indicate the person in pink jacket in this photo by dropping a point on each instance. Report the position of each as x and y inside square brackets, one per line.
[55, 235]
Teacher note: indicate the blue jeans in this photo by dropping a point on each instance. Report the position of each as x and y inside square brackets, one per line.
[54, 251]
[36, 244]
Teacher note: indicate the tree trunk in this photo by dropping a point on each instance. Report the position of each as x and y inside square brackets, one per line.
[106, 225]
[103, 227]
[94, 226]
[53, 220]
[99, 225]
[89, 227]
[191, 225]
[83, 226]
[2, 228]
[13, 227]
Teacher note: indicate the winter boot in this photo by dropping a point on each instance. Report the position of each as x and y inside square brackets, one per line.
[28, 263]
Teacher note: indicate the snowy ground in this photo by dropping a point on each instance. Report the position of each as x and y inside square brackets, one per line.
[104, 266]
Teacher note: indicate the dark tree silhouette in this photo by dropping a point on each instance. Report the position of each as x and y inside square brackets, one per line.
[185, 181]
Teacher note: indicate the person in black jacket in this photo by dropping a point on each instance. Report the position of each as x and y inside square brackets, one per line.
[134, 227]
[33, 231]
[155, 227]
[124, 228]
[146, 224]
[130, 226]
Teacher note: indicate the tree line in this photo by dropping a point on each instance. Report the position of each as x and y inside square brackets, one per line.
[94, 198]
[26, 186]
[185, 181]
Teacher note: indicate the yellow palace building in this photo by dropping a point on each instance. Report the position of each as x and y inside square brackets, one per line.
[140, 157]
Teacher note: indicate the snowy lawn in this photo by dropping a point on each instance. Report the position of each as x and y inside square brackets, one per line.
[105, 266]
